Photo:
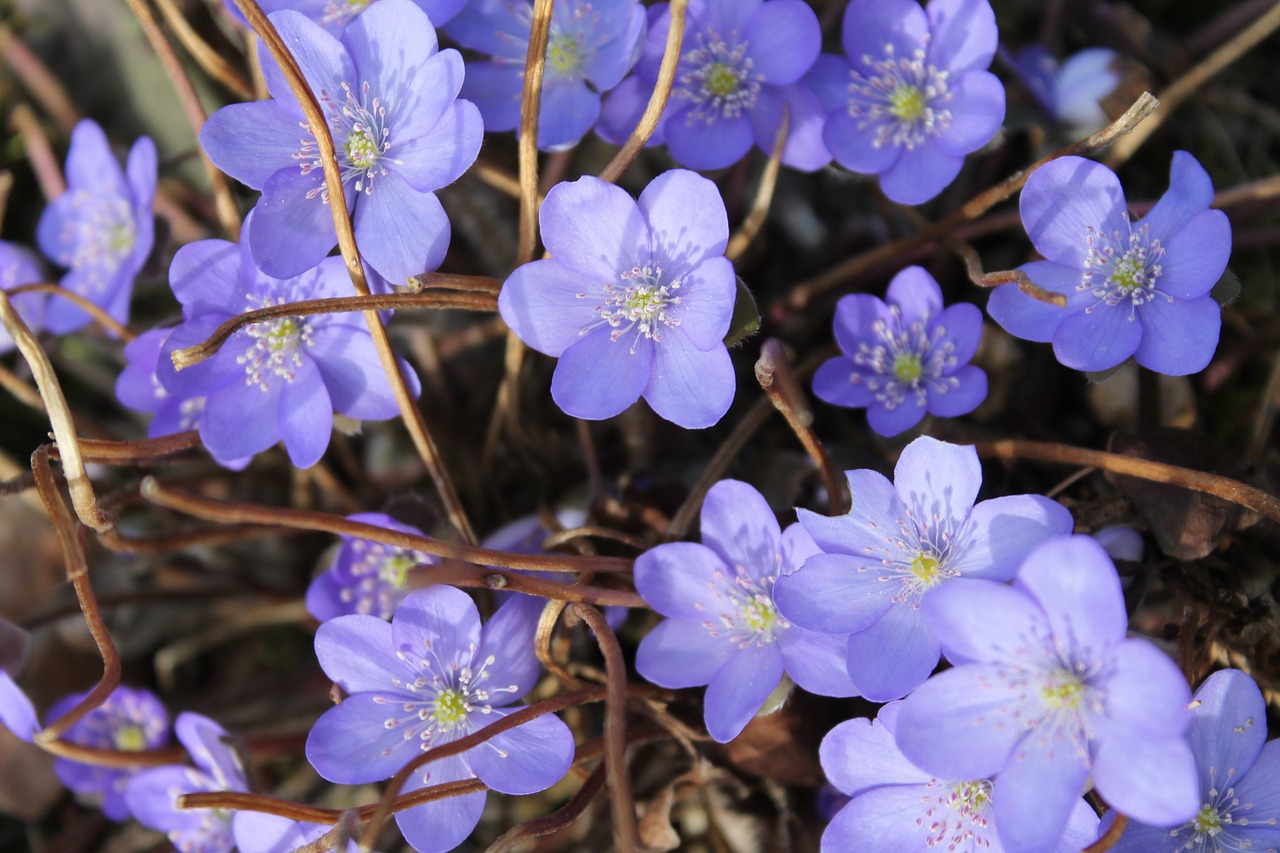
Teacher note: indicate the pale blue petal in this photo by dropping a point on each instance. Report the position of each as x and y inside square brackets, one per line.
[358, 653]
[688, 387]
[1036, 793]
[738, 525]
[401, 232]
[964, 34]
[738, 690]
[833, 594]
[817, 662]
[920, 173]
[938, 480]
[1030, 319]
[786, 39]
[977, 109]
[1076, 584]
[1196, 256]
[436, 628]
[1002, 531]
[594, 228]
[680, 653]
[956, 725]
[893, 655]
[1179, 337]
[686, 219]
[859, 754]
[1150, 779]
[1063, 199]
[598, 378]
[529, 758]
[1190, 192]
[682, 580]
[1098, 339]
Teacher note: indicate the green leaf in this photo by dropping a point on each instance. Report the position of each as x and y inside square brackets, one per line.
[746, 317]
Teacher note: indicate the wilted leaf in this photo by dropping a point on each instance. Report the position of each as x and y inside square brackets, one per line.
[746, 316]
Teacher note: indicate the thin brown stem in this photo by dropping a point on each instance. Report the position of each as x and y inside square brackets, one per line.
[102, 318]
[973, 266]
[530, 104]
[775, 377]
[622, 802]
[453, 281]
[143, 452]
[319, 127]
[40, 155]
[114, 757]
[23, 392]
[38, 79]
[77, 566]
[658, 100]
[209, 59]
[226, 512]
[228, 214]
[1110, 837]
[759, 211]
[478, 577]
[193, 355]
[1145, 469]
[554, 822]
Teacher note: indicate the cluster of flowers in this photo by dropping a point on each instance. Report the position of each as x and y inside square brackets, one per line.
[1045, 692]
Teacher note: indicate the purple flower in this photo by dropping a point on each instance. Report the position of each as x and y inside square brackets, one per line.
[258, 832]
[722, 628]
[334, 15]
[593, 44]
[911, 97]
[19, 265]
[152, 795]
[896, 807]
[432, 676]
[366, 577]
[278, 380]
[899, 543]
[741, 69]
[17, 714]
[131, 719]
[635, 300]
[904, 358]
[1133, 289]
[399, 131]
[1239, 776]
[1048, 693]
[1070, 92]
[100, 228]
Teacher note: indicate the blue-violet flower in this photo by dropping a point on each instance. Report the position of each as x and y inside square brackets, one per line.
[277, 380]
[1048, 693]
[259, 832]
[101, 228]
[1239, 777]
[635, 299]
[18, 266]
[130, 720]
[398, 130]
[1070, 92]
[912, 96]
[334, 15]
[905, 357]
[432, 676]
[896, 807]
[366, 577]
[1132, 289]
[897, 545]
[152, 795]
[740, 71]
[593, 43]
[722, 627]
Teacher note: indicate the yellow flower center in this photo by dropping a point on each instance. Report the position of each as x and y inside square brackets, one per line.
[1065, 692]
[395, 570]
[562, 53]
[906, 102]
[908, 367]
[927, 570]
[1208, 821]
[361, 150]
[721, 80]
[130, 739]
[760, 615]
[451, 708]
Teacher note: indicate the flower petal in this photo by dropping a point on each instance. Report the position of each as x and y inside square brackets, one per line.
[1002, 531]
[708, 142]
[978, 620]
[529, 758]
[952, 401]
[91, 165]
[353, 744]
[871, 25]
[598, 378]
[1030, 319]
[955, 725]
[305, 415]
[681, 580]
[568, 109]
[1063, 199]
[240, 421]
[707, 294]
[871, 522]
[594, 228]
[547, 305]
[438, 626]
[859, 754]
[977, 109]
[1196, 256]
[1190, 193]
[964, 34]
[1036, 793]
[323, 60]
[882, 820]
[1150, 779]
[357, 652]
[1098, 339]
[1076, 584]
[786, 38]
[507, 639]
[16, 711]
[738, 525]
[439, 156]
[738, 690]
[441, 825]
[686, 218]
[389, 42]
[1179, 337]
[1228, 724]
[680, 653]
[916, 295]
[853, 143]
[252, 141]
[817, 662]
[890, 422]
[348, 363]
[833, 594]
[1147, 695]
[688, 387]
[893, 655]
[834, 383]
[401, 232]
[936, 479]
[495, 88]
[920, 173]
[291, 232]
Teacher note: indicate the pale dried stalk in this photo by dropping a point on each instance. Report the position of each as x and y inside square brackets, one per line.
[64, 431]
[39, 153]
[409, 411]
[102, 318]
[530, 103]
[755, 218]
[209, 59]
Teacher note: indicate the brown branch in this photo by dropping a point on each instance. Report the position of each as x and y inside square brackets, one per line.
[454, 281]
[226, 512]
[77, 567]
[319, 127]
[193, 355]
[1109, 838]
[530, 104]
[208, 59]
[114, 757]
[973, 266]
[648, 123]
[485, 577]
[40, 155]
[101, 317]
[755, 218]
[622, 803]
[143, 452]
[38, 79]
[1129, 466]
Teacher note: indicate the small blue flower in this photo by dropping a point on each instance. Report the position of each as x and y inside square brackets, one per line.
[741, 69]
[897, 545]
[1049, 693]
[278, 380]
[1070, 92]
[1239, 776]
[432, 676]
[366, 577]
[593, 43]
[131, 720]
[399, 131]
[101, 228]
[911, 96]
[904, 358]
[152, 795]
[893, 806]
[722, 628]
[635, 299]
[334, 15]
[1132, 288]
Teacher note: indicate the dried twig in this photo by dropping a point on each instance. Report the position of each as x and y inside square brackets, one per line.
[101, 317]
[759, 211]
[973, 266]
[530, 104]
[209, 59]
